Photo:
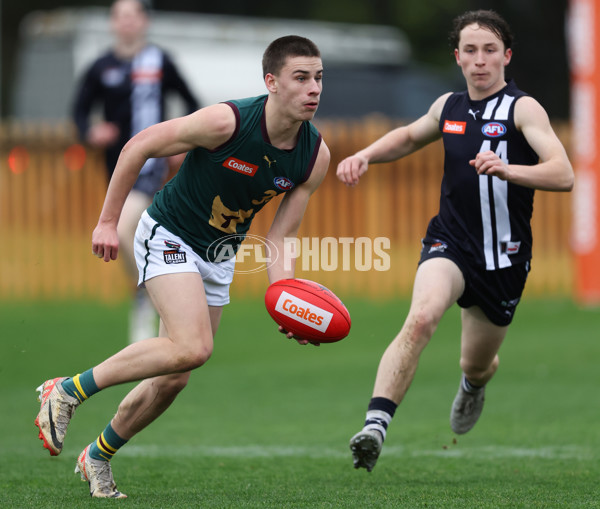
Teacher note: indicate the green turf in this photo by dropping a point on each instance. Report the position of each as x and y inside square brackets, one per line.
[266, 422]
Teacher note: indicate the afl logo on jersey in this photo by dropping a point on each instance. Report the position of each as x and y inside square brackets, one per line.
[113, 77]
[494, 129]
[283, 183]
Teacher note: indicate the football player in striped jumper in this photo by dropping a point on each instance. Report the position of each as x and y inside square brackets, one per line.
[240, 155]
[499, 148]
[131, 83]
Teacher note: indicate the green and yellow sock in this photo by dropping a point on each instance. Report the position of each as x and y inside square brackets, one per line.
[81, 386]
[106, 445]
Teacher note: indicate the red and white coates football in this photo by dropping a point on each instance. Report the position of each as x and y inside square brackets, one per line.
[308, 309]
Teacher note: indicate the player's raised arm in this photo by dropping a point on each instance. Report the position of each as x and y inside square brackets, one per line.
[209, 127]
[395, 144]
[554, 171]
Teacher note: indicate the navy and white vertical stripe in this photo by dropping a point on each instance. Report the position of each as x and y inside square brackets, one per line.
[146, 98]
[493, 196]
[132, 94]
[487, 217]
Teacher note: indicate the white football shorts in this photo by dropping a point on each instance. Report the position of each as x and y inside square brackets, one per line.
[159, 252]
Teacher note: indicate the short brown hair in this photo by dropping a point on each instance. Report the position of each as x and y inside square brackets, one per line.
[279, 50]
[488, 19]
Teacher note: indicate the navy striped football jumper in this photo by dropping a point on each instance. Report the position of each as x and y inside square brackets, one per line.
[132, 94]
[487, 218]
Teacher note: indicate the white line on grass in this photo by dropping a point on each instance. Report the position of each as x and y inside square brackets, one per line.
[271, 451]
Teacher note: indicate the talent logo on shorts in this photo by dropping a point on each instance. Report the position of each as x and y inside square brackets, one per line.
[173, 254]
[494, 129]
[437, 247]
[283, 183]
[240, 166]
[454, 127]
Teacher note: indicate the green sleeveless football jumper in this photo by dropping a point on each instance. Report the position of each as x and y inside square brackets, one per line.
[212, 200]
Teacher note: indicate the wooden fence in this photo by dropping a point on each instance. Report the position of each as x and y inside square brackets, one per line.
[51, 192]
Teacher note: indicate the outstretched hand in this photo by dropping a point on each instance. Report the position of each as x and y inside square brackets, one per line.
[351, 169]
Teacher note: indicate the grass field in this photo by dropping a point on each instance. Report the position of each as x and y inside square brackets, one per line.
[266, 422]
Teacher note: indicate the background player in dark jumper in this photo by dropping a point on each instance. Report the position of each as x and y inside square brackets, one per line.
[499, 147]
[130, 82]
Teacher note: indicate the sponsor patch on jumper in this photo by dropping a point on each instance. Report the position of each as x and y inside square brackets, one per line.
[174, 256]
[454, 127]
[240, 166]
[146, 76]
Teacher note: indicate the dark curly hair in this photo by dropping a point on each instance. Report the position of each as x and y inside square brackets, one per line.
[488, 19]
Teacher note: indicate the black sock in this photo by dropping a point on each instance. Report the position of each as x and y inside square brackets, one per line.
[379, 415]
[469, 387]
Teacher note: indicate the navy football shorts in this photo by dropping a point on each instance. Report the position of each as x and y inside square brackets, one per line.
[496, 292]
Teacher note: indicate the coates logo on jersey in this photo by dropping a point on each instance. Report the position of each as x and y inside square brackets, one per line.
[283, 183]
[240, 166]
[303, 312]
[454, 127]
[145, 76]
[494, 129]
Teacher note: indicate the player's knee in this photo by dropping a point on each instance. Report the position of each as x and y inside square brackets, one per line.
[200, 356]
[478, 372]
[193, 357]
[421, 325]
[174, 384]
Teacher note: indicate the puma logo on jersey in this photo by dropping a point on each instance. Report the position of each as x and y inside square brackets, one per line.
[454, 127]
[474, 113]
[269, 162]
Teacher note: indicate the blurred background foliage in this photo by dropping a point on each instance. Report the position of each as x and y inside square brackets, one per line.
[540, 64]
